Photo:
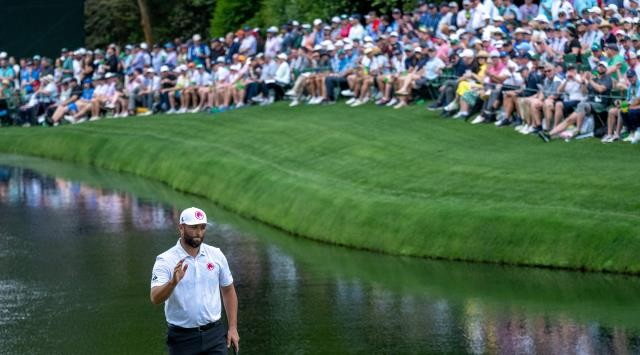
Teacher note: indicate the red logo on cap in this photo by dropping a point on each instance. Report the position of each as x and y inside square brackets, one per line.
[199, 215]
[210, 266]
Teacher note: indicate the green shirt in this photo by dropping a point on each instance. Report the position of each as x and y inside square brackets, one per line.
[614, 61]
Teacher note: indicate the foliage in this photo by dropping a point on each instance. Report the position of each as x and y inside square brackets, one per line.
[229, 15]
[108, 21]
[408, 184]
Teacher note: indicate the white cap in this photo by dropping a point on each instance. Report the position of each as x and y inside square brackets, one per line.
[282, 56]
[144, 45]
[348, 47]
[612, 7]
[317, 47]
[494, 53]
[417, 50]
[295, 23]
[394, 34]
[272, 29]
[150, 70]
[595, 10]
[339, 43]
[317, 22]
[541, 18]
[164, 69]
[3, 55]
[331, 47]
[633, 55]
[326, 43]
[368, 39]
[109, 75]
[335, 19]
[498, 18]
[220, 59]
[196, 37]
[467, 53]
[193, 216]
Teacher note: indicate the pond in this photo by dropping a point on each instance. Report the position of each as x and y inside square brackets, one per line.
[77, 245]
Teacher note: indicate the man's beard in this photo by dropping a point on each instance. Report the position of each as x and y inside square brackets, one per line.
[194, 242]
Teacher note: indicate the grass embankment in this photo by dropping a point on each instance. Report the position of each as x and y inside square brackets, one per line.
[402, 182]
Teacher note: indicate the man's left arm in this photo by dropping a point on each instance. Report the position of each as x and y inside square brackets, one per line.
[230, 300]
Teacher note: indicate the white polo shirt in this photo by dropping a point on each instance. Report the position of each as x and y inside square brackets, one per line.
[196, 299]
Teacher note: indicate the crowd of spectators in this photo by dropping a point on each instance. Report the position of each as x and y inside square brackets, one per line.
[557, 68]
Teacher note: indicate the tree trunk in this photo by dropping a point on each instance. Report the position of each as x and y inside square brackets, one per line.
[145, 21]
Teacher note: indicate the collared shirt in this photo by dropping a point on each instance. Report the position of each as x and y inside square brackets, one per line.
[195, 301]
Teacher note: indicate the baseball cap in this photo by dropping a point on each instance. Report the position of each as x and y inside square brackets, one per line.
[193, 216]
[631, 73]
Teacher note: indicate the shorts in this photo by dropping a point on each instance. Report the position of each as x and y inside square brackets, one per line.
[568, 107]
[72, 107]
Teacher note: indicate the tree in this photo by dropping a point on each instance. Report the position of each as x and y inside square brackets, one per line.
[145, 20]
[108, 21]
[229, 15]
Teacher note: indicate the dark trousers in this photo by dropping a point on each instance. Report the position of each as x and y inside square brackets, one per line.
[331, 82]
[448, 94]
[210, 341]
[631, 120]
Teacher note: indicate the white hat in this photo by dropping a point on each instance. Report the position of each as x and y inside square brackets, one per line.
[368, 39]
[150, 70]
[272, 29]
[196, 37]
[220, 59]
[3, 55]
[282, 56]
[595, 10]
[306, 26]
[339, 43]
[494, 53]
[394, 34]
[498, 44]
[193, 216]
[633, 55]
[331, 47]
[235, 67]
[325, 43]
[541, 18]
[164, 69]
[110, 75]
[144, 45]
[348, 47]
[317, 22]
[335, 19]
[612, 7]
[317, 47]
[603, 63]
[417, 50]
[295, 23]
[467, 53]
[498, 18]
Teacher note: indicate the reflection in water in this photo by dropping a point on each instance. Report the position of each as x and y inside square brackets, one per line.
[296, 296]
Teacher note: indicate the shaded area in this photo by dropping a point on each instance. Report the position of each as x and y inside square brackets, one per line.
[76, 252]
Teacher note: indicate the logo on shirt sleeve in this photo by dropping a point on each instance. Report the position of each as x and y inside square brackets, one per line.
[154, 277]
[210, 266]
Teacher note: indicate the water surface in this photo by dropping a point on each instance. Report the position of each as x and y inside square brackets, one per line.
[77, 246]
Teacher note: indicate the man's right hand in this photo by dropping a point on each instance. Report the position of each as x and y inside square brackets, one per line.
[179, 271]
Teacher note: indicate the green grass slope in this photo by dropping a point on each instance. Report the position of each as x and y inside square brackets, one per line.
[397, 181]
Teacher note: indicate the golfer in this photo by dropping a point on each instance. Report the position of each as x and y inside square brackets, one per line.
[188, 278]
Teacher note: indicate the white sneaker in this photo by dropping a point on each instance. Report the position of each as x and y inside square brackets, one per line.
[149, 113]
[315, 100]
[257, 99]
[629, 138]
[452, 106]
[393, 102]
[606, 139]
[290, 93]
[109, 105]
[41, 118]
[69, 118]
[478, 119]
[544, 125]
[360, 102]
[95, 118]
[461, 114]
[498, 123]
[355, 103]
[82, 120]
[195, 110]
[125, 114]
[347, 93]
[636, 138]
[351, 101]
[240, 105]
[171, 111]
[182, 110]
[294, 103]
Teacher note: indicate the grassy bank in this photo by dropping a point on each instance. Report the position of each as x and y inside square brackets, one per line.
[402, 182]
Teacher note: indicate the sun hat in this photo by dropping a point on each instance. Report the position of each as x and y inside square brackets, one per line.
[193, 216]
[282, 56]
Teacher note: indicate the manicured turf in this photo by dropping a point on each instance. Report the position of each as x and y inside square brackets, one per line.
[399, 181]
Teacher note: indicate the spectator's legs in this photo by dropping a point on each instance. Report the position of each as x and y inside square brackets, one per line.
[558, 114]
[612, 119]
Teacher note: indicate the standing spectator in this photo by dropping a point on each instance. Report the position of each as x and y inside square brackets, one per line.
[528, 11]
[274, 42]
[198, 51]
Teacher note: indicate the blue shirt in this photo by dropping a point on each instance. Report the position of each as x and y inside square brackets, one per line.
[87, 94]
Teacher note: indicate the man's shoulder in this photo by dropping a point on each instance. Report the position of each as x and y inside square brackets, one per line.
[169, 254]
